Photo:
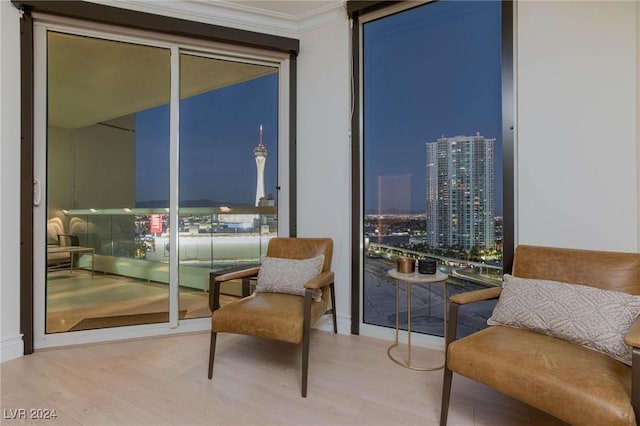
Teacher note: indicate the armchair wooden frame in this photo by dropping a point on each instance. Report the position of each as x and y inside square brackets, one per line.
[452, 330]
[601, 376]
[323, 281]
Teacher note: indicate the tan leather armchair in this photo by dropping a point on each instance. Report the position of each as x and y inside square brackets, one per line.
[276, 316]
[575, 384]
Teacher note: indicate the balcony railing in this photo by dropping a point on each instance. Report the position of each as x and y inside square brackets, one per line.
[136, 242]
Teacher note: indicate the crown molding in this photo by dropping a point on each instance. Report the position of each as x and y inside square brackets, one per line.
[233, 15]
[322, 17]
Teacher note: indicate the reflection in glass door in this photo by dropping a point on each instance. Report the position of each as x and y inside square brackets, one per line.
[157, 167]
[107, 183]
[228, 173]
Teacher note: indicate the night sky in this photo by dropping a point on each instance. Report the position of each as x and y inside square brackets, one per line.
[218, 131]
[429, 72]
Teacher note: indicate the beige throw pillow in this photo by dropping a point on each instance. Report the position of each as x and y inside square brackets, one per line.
[592, 317]
[289, 276]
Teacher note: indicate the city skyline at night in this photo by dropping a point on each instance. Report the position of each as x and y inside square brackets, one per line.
[219, 130]
[430, 71]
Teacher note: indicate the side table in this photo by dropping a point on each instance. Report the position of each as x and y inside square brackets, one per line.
[410, 279]
[73, 250]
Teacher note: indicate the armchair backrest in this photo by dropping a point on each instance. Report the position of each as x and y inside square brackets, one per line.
[603, 269]
[302, 248]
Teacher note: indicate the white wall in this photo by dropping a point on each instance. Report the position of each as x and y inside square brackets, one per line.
[577, 180]
[324, 149]
[61, 170]
[11, 345]
[105, 158]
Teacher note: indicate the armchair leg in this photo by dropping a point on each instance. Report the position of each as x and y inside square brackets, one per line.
[451, 332]
[446, 394]
[333, 308]
[305, 364]
[635, 382]
[212, 353]
[306, 337]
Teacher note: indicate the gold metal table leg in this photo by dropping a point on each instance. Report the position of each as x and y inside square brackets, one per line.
[407, 364]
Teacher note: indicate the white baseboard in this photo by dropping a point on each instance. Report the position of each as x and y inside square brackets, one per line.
[121, 333]
[388, 334]
[326, 324]
[11, 348]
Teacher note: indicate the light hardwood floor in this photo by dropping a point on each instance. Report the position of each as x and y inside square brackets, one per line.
[73, 297]
[163, 381]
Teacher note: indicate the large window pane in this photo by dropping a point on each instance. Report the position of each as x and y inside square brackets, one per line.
[228, 170]
[432, 156]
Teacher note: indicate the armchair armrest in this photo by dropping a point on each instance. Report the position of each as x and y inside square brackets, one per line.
[633, 339]
[633, 336]
[216, 280]
[322, 280]
[319, 281]
[245, 273]
[462, 299]
[476, 295]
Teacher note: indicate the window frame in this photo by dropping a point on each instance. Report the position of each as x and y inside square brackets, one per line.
[365, 11]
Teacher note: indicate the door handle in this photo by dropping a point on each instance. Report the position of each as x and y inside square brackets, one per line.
[37, 192]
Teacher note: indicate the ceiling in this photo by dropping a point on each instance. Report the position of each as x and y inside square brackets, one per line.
[92, 80]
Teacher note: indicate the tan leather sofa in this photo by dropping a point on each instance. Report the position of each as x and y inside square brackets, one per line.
[577, 385]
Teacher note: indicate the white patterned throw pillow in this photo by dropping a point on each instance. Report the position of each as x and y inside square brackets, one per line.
[592, 317]
[278, 275]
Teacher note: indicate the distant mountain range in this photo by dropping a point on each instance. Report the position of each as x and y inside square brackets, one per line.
[187, 203]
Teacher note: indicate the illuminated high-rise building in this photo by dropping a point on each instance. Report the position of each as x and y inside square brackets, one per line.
[261, 157]
[460, 192]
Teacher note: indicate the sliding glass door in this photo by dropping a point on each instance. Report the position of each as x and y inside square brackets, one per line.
[100, 96]
[156, 164]
[228, 172]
